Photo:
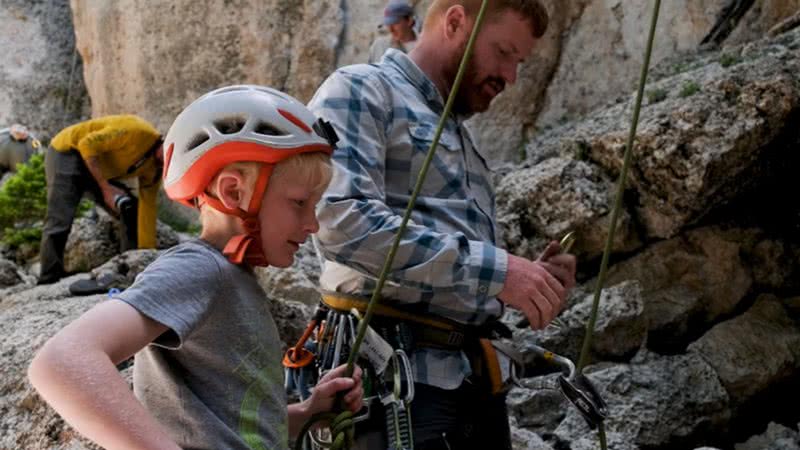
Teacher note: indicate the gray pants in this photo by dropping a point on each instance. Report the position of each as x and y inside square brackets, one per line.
[68, 179]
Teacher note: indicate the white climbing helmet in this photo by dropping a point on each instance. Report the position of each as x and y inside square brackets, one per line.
[237, 123]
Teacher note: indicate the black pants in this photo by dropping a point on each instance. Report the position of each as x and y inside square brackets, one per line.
[68, 179]
[464, 418]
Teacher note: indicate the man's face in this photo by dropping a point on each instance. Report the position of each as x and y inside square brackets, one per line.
[402, 30]
[287, 218]
[503, 43]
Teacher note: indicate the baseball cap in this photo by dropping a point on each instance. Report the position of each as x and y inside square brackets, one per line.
[396, 10]
[18, 132]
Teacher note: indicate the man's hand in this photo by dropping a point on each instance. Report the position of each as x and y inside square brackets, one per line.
[539, 288]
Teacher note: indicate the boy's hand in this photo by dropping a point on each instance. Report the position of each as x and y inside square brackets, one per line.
[324, 393]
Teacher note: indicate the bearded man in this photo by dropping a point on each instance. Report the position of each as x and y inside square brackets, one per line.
[448, 268]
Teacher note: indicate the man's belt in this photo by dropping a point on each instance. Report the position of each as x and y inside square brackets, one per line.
[426, 331]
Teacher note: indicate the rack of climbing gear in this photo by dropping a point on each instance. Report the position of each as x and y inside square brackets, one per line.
[326, 343]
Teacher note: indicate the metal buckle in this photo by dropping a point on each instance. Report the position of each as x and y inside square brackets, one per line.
[325, 130]
[455, 338]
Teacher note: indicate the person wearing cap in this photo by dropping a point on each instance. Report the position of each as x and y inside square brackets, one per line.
[398, 18]
[16, 147]
[101, 156]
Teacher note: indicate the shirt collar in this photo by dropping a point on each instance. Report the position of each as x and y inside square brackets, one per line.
[403, 64]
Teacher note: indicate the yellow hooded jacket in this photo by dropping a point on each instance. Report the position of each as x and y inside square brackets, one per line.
[118, 142]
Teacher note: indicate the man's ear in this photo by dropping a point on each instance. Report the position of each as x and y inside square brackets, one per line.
[232, 189]
[455, 22]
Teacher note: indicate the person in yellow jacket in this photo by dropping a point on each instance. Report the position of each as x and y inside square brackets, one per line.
[97, 156]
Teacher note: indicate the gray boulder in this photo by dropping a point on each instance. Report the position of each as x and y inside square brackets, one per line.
[697, 276]
[38, 37]
[94, 239]
[654, 402]
[537, 405]
[753, 351]
[620, 331]
[693, 155]
[559, 195]
[27, 320]
[10, 274]
[776, 437]
[522, 439]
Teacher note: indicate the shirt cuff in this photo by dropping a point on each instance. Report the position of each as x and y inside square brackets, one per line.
[489, 267]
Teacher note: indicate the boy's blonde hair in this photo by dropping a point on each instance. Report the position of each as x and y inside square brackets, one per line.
[312, 168]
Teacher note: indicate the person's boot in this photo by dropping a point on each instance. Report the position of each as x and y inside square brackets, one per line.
[91, 286]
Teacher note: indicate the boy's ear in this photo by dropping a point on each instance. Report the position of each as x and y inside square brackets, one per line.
[232, 190]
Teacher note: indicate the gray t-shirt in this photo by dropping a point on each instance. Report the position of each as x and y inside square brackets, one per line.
[214, 380]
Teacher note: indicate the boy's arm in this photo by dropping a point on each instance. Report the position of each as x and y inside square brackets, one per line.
[75, 372]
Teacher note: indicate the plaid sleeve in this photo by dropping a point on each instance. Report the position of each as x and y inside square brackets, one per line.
[357, 228]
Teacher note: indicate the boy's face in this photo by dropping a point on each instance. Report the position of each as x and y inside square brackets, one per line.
[287, 218]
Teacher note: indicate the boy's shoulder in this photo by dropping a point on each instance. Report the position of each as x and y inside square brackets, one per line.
[190, 257]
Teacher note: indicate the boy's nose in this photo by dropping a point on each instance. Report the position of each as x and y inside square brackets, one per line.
[312, 226]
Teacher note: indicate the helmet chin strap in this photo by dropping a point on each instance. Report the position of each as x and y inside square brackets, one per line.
[245, 248]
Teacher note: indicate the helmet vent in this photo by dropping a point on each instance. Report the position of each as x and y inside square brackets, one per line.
[230, 125]
[197, 141]
[269, 130]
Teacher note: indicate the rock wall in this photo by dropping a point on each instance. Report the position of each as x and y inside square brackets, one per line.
[40, 76]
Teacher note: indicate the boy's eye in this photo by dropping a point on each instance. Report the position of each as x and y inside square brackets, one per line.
[300, 203]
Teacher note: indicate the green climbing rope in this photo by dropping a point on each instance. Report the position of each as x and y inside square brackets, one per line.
[343, 435]
[587, 341]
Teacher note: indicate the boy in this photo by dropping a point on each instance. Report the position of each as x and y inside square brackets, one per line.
[207, 373]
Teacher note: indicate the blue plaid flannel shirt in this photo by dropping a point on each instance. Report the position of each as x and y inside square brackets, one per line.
[447, 263]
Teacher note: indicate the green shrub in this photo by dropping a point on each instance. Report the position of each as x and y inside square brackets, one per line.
[17, 237]
[656, 96]
[23, 199]
[689, 88]
[728, 60]
[23, 204]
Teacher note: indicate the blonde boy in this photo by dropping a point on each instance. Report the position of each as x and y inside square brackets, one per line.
[207, 371]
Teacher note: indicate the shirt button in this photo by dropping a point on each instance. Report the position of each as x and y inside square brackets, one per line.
[482, 289]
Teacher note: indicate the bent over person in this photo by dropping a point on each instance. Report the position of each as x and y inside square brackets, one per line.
[450, 281]
[110, 157]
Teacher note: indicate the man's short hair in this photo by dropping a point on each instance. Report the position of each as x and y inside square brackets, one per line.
[533, 10]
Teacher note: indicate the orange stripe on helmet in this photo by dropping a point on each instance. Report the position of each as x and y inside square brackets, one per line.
[199, 175]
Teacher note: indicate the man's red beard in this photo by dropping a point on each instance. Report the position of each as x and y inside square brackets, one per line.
[475, 95]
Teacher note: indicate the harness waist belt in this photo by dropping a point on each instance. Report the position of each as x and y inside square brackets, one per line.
[427, 331]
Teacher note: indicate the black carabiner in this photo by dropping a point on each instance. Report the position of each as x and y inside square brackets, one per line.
[581, 393]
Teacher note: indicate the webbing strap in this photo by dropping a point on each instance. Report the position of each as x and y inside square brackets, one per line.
[344, 303]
